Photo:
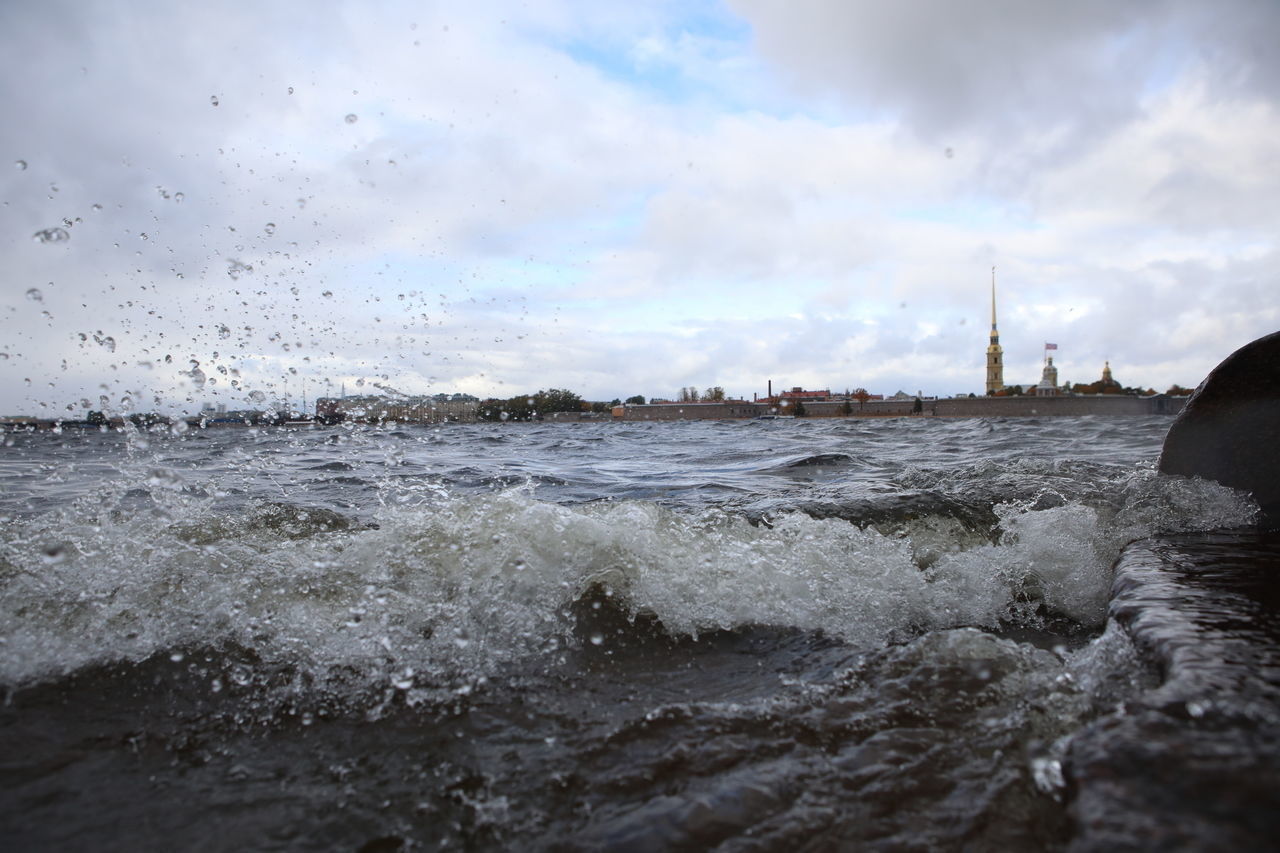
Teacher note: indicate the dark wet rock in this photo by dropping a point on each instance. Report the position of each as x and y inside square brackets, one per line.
[1193, 762]
[1229, 430]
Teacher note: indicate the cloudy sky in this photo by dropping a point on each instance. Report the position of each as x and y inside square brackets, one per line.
[238, 202]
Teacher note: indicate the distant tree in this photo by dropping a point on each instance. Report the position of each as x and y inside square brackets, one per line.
[517, 408]
[714, 394]
[637, 400]
[689, 395]
[800, 410]
[556, 400]
[96, 418]
[615, 402]
[1176, 390]
[917, 407]
[862, 397]
[599, 407]
[847, 408]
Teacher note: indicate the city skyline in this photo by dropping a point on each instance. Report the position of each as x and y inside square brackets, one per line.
[626, 200]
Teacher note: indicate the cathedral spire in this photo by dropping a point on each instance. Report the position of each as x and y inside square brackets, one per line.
[995, 355]
[993, 301]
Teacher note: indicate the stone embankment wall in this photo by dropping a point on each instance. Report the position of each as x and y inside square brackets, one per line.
[1101, 404]
[956, 407]
[692, 411]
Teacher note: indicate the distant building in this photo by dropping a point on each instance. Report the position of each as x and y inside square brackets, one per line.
[799, 395]
[1048, 386]
[1106, 385]
[436, 409]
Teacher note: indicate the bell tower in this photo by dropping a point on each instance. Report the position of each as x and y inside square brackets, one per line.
[995, 355]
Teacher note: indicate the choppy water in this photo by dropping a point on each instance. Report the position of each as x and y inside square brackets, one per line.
[764, 635]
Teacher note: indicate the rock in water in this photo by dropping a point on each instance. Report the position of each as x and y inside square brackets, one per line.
[1229, 431]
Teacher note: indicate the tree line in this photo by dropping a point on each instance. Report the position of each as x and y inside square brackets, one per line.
[532, 407]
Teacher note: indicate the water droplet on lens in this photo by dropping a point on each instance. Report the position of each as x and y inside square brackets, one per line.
[597, 639]
[213, 99]
[54, 554]
[95, 207]
[20, 165]
[178, 197]
[328, 294]
[270, 228]
[351, 118]
[35, 295]
[290, 90]
[177, 657]
[51, 235]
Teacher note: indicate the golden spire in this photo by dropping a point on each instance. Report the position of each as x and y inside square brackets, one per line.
[993, 300]
[995, 355]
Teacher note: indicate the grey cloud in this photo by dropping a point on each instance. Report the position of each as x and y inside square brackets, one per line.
[999, 68]
[487, 166]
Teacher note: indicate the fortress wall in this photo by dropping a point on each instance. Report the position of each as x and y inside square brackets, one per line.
[869, 409]
[958, 407]
[1103, 404]
[691, 411]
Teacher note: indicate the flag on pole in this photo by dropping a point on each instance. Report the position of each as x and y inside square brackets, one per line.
[1050, 346]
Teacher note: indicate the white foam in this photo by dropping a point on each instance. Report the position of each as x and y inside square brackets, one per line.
[468, 583]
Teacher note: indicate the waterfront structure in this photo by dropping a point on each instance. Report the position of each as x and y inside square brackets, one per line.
[995, 355]
[947, 407]
[1048, 386]
[404, 409]
[1106, 385]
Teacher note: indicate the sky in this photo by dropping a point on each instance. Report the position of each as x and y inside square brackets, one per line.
[255, 204]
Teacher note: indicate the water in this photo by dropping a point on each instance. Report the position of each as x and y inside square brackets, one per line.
[754, 635]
